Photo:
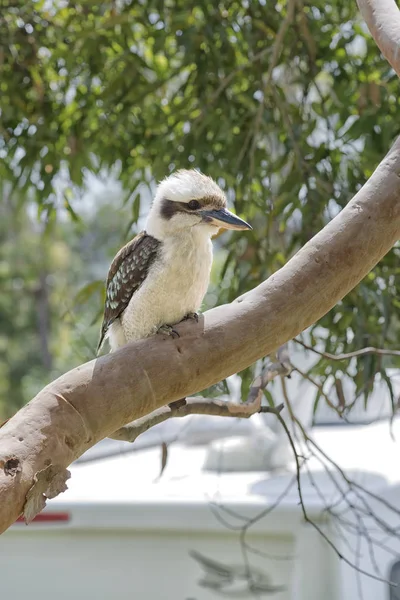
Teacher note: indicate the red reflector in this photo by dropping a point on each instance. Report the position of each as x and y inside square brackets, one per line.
[48, 517]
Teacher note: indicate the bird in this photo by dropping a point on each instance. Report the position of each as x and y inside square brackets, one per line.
[161, 276]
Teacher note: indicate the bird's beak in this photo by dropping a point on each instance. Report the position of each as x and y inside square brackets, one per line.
[224, 218]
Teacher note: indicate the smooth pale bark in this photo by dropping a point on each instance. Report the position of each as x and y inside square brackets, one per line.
[383, 20]
[96, 399]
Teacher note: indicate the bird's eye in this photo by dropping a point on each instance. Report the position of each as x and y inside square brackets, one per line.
[194, 205]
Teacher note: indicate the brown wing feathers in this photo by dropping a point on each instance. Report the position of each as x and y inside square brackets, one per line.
[127, 272]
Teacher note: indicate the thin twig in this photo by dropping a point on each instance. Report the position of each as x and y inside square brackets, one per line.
[355, 487]
[349, 355]
[244, 545]
[320, 388]
[313, 523]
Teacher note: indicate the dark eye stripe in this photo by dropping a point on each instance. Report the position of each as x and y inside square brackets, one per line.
[170, 208]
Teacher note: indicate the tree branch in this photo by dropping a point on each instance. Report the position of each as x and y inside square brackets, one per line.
[383, 20]
[193, 406]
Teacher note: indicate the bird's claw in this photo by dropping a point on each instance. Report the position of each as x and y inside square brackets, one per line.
[168, 330]
[192, 315]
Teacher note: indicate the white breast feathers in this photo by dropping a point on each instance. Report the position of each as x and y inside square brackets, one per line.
[175, 286]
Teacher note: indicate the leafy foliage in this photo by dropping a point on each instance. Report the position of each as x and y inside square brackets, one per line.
[28, 315]
[289, 106]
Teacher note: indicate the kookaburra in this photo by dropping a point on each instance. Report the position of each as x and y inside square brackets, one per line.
[161, 276]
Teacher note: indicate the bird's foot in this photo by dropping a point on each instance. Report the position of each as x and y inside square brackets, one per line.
[168, 330]
[192, 315]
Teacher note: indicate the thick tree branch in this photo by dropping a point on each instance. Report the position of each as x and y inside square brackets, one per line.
[383, 20]
[94, 400]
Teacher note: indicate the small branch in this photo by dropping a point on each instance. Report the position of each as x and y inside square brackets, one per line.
[359, 491]
[349, 355]
[305, 32]
[307, 519]
[193, 406]
[320, 388]
[282, 367]
[211, 406]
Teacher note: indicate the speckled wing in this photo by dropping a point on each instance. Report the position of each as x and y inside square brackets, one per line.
[127, 272]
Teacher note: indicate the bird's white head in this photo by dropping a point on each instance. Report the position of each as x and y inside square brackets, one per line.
[190, 201]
